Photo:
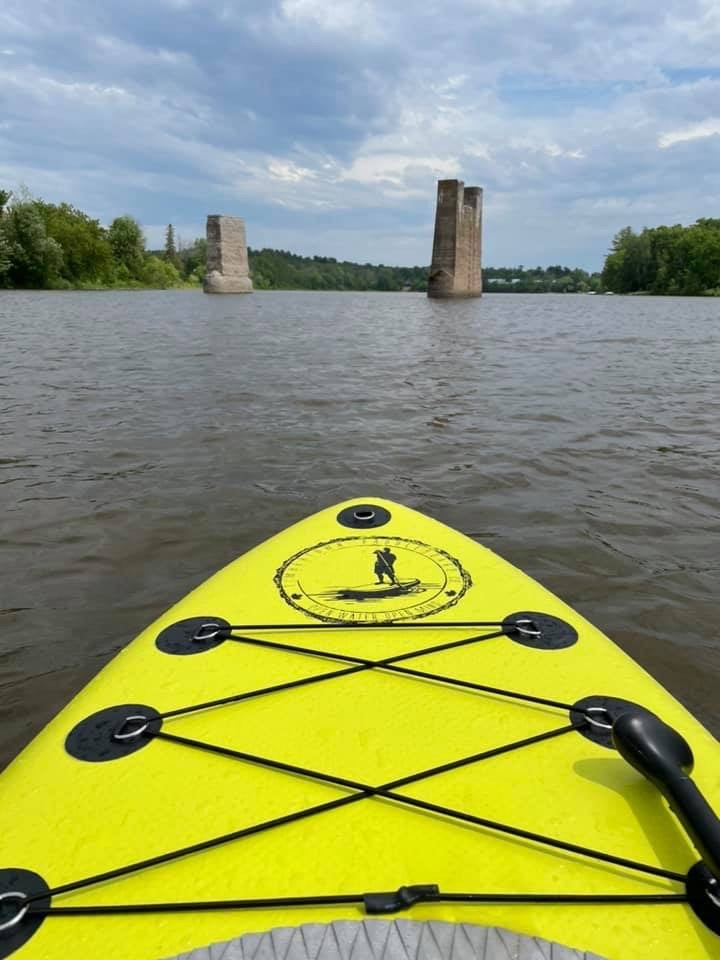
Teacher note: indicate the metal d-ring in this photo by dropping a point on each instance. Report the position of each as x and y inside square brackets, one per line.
[712, 892]
[133, 733]
[598, 723]
[364, 515]
[14, 921]
[527, 633]
[207, 631]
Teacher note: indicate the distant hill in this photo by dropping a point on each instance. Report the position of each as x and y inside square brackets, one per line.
[282, 270]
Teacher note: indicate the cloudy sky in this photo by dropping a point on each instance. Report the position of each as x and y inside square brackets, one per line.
[325, 123]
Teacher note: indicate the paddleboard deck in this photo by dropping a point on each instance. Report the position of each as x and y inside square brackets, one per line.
[313, 747]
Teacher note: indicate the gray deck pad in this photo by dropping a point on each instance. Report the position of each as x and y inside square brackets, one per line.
[386, 940]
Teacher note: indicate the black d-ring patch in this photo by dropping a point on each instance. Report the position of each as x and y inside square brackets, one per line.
[362, 516]
[18, 880]
[179, 638]
[598, 715]
[94, 738]
[701, 886]
[539, 630]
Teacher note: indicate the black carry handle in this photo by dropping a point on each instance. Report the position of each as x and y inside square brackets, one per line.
[663, 756]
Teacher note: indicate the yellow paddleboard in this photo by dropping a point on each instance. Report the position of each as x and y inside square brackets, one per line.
[368, 714]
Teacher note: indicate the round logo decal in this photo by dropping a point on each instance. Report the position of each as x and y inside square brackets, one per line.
[371, 580]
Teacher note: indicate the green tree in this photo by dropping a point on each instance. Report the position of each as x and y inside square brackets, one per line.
[171, 253]
[5, 260]
[159, 273]
[615, 271]
[701, 255]
[128, 247]
[87, 254]
[670, 260]
[666, 257]
[629, 265]
[34, 258]
[170, 250]
[193, 260]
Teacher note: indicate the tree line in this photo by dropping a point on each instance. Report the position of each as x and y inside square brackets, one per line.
[684, 261]
[57, 246]
[554, 279]
[282, 270]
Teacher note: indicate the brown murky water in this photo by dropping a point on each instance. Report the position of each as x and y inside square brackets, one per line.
[148, 438]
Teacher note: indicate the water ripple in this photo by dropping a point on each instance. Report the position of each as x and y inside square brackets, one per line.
[148, 438]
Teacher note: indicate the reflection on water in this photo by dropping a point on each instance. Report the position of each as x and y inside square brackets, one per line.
[148, 438]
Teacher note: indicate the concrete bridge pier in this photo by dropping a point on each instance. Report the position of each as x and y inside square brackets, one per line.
[457, 245]
[227, 259]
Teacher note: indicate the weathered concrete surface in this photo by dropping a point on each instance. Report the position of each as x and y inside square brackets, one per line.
[457, 245]
[227, 259]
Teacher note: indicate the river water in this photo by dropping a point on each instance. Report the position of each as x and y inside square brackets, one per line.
[147, 438]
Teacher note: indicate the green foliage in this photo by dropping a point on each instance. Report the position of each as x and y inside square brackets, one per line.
[44, 245]
[159, 273]
[193, 260]
[29, 258]
[87, 253]
[5, 258]
[5, 261]
[128, 248]
[666, 260]
[554, 279]
[171, 254]
[170, 251]
[282, 270]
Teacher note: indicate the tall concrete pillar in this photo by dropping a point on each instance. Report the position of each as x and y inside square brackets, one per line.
[227, 259]
[457, 245]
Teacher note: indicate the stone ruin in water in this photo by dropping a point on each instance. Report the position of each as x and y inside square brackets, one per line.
[227, 259]
[457, 246]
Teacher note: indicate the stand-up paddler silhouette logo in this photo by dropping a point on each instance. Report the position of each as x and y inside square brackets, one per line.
[371, 579]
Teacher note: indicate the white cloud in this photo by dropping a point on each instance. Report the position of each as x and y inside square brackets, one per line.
[289, 172]
[357, 17]
[311, 106]
[696, 131]
[397, 168]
